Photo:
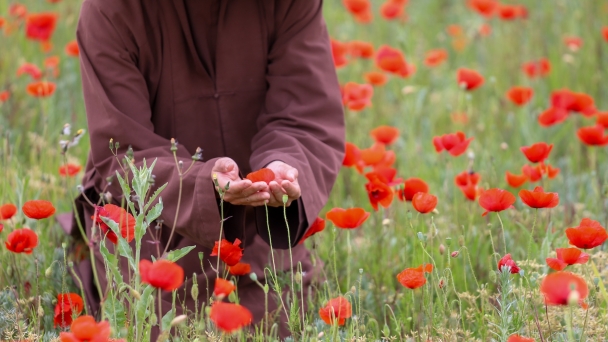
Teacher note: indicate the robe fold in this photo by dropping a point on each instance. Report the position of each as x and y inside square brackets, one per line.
[252, 80]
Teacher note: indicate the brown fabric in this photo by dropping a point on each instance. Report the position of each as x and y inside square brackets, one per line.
[250, 80]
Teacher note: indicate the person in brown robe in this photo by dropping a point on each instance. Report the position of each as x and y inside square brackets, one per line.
[253, 84]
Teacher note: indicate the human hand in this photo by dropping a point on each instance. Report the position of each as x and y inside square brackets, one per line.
[285, 183]
[240, 191]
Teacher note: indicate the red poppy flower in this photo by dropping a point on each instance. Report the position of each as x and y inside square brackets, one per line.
[338, 308]
[520, 95]
[162, 274]
[357, 96]
[471, 192]
[573, 42]
[605, 33]
[566, 257]
[1, 227]
[40, 26]
[315, 227]
[67, 304]
[484, 29]
[469, 79]
[385, 134]
[71, 49]
[602, 119]
[262, 175]
[373, 155]
[230, 317]
[223, 287]
[455, 143]
[4, 96]
[435, 57]
[360, 49]
[85, 329]
[588, 234]
[38, 209]
[411, 187]
[538, 198]
[593, 135]
[7, 211]
[392, 60]
[384, 174]
[17, 10]
[509, 12]
[552, 116]
[352, 155]
[539, 68]
[413, 278]
[347, 218]
[391, 10]
[572, 101]
[424, 203]
[338, 51]
[230, 253]
[557, 287]
[125, 221]
[496, 200]
[41, 89]
[486, 8]
[240, 269]
[379, 193]
[21, 241]
[515, 181]
[534, 174]
[30, 69]
[70, 170]
[551, 171]
[466, 178]
[376, 78]
[508, 261]
[517, 338]
[537, 152]
[388, 159]
[454, 30]
[357, 7]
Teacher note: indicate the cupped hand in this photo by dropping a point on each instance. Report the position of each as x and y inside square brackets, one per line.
[285, 183]
[240, 191]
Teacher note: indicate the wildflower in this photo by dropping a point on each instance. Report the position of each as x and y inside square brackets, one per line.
[7, 211]
[229, 317]
[392, 60]
[357, 96]
[573, 101]
[71, 49]
[22, 240]
[262, 175]
[537, 152]
[40, 26]
[315, 227]
[520, 95]
[593, 135]
[551, 171]
[507, 261]
[413, 278]
[435, 57]
[517, 338]
[352, 155]
[230, 253]
[85, 329]
[125, 221]
[411, 187]
[538, 198]
[514, 180]
[573, 43]
[385, 175]
[338, 51]
[360, 49]
[588, 234]
[557, 288]
[605, 33]
[223, 288]
[454, 143]
[552, 116]
[391, 10]
[4, 96]
[385, 134]
[52, 63]
[471, 192]
[162, 274]
[17, 10]
[424, 203]
[534, 174]
[240, 269]
[41, 89]
[469, 79]
[454, 30]
[566, 257]
[38, 209]
[496, 200]
[467, 177]
[486, 8]
[70, 170]
[539, 68]
[484, 29]
[67, 304]
[337, 310]
[30, 69]
[602, 119]
[379, 193]
[510, 12]
[376, 78]
[373, 155]
[347, 218]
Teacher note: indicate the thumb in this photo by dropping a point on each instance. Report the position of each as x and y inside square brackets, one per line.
[226, 165]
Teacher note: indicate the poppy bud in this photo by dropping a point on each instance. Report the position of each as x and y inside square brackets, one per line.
[441, 249]
[117, 145]
[71, 264]
[178, 320]
[360, 271]
[64, 245]
[266, 289]
[461, 241]
[194, 289]
[111, 144]
[163, 336]
[353, 289]
[200, 256]
[49, 271]
[40, 311]
[153, 319]
[455, 254]
[198, 155]
[298, 277]
[285, 198]
[253, 276]
[173, 145]
[130, 152]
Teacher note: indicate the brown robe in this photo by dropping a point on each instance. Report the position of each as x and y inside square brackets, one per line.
[252, 80]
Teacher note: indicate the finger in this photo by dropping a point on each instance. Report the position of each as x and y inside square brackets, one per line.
[277, 191]
[253, 188]
[291, 189]
[291, 174]
[236, 186]
[257, 197]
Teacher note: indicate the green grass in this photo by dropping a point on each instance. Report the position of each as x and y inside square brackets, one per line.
[363, 263]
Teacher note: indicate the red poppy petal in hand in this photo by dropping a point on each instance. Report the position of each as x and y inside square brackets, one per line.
[262, 175]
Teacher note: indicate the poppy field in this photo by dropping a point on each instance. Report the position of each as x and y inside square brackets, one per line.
[472, 203]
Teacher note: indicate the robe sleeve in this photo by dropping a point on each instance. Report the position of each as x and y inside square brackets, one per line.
[302, 121]
[118, 107]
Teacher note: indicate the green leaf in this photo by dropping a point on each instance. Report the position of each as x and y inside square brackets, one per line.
[154, 195]
[142, 312]
[124, 186]
[111, 263]
[167, 318]
[123, 247]
[140, 228]
[155, 212]
[177, 254]
[115, 312]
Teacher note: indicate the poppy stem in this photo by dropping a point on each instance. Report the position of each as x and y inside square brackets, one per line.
[532, 234]
[502, 228]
